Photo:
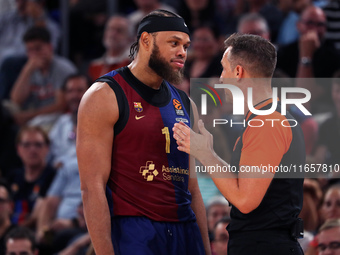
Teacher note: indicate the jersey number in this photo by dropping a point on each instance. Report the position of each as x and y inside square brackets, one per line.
[167, 139]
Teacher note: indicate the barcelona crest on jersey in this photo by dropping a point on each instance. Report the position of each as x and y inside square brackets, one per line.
[138, 106]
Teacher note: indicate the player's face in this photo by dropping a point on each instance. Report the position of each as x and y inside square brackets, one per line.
[168, 55]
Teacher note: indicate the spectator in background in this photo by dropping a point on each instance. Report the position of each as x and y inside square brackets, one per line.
[117, 39]
[327, 149]
[254, 24]
[288, 32]
[312, 196]
[329, 238]
[87, 21]
[8, 131]
[37, 89]
[59, 209]
[63, 132]
[198, 12]
[311, 57]
[308, 124]
[20, 240]
[330, 208]
[332, 11]
[5, 213]
[329, 212]
[14, 24]
[6, 6]
[217, 208]
[10, 69]
[79, 246]
[59, 212]
[143, 8]
[206, 56]
[219, 245]
[269, 11]
[30, 183]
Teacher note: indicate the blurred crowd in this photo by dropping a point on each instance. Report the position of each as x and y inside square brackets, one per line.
[40, 92]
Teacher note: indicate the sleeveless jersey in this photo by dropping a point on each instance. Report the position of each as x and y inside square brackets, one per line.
[149, 176]
[281, 145]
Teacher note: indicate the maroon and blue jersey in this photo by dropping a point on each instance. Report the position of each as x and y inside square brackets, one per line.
[149, 175]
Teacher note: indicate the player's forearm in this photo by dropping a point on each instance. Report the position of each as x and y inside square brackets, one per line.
[98, 220]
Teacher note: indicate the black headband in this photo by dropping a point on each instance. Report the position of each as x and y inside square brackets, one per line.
[156, 24]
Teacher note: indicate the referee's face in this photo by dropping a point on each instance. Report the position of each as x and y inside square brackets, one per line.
[227, 75]
[226, 72]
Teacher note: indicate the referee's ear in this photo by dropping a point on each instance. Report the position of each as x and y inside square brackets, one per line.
[239, 72]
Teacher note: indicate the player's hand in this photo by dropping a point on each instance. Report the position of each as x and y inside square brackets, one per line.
[198, 145]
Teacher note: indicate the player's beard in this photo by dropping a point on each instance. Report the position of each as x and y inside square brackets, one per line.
[162, 68]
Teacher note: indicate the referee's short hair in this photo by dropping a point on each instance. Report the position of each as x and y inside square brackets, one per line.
[254, 53]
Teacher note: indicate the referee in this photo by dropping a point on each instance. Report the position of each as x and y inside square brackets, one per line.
[265, 204]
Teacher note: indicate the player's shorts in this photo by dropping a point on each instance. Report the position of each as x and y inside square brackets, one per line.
[263, 243]
[142, 236]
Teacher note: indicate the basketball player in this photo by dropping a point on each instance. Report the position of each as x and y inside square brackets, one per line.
[137, 194]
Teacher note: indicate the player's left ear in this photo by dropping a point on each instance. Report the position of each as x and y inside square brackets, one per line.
[145, 40]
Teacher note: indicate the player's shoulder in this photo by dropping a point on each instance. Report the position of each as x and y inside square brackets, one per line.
[99, 96]
[99, 89]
